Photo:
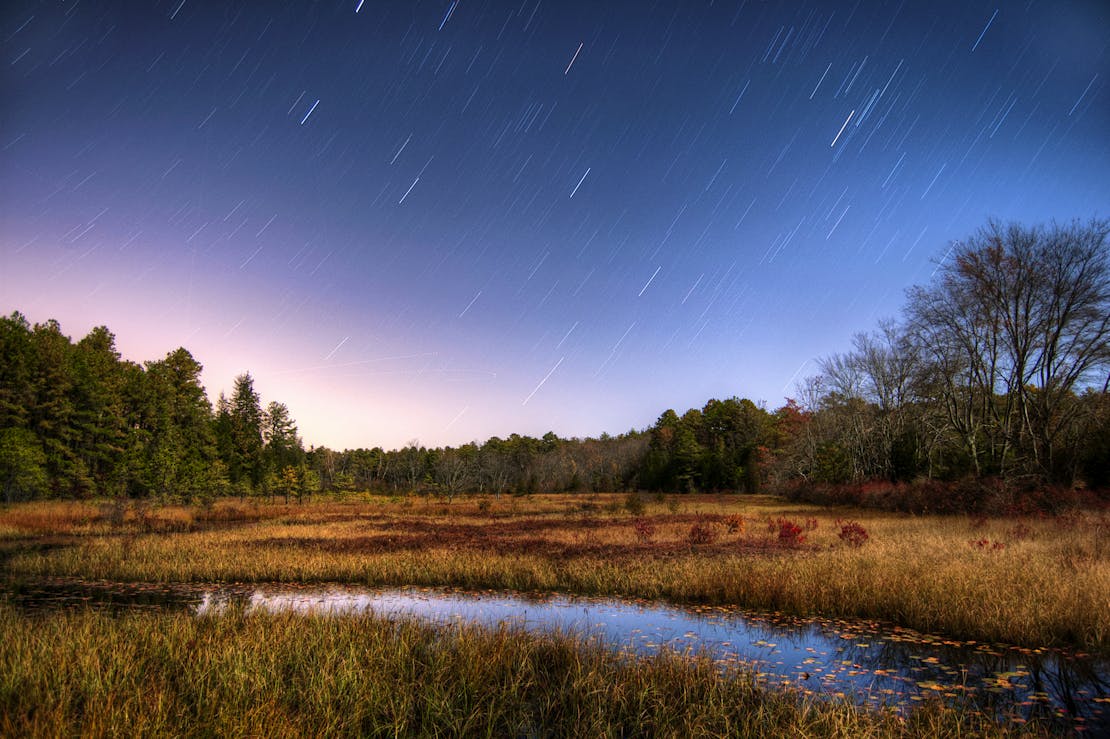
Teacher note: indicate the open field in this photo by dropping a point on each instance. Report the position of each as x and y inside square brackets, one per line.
[158, 674]
[1026, 581]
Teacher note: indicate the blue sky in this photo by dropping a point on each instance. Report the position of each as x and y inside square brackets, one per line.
[448, 220]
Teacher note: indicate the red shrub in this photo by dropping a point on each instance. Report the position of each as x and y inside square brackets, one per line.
[852, 533]
[790, 533]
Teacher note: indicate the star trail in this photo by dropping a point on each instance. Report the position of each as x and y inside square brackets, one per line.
[454, 219]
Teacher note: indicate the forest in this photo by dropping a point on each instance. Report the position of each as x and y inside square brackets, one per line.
[990, 391]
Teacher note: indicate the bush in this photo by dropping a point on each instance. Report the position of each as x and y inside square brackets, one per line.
[988, 495]
[790, 533]
[852, 533]
[735, 524]
[702, 532]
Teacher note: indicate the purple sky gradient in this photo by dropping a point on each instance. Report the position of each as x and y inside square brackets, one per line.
[471, 235]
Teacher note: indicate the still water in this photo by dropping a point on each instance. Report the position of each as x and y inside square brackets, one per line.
[871, 663]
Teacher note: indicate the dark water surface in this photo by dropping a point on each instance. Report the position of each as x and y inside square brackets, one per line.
[874, 664]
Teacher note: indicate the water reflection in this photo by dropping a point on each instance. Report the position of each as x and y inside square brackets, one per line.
[875, 665]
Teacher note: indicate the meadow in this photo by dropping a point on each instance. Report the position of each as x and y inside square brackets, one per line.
[1028, 581]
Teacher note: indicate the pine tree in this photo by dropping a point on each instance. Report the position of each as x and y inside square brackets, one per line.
[49, 411]
[99, 425]
[283, 446]
[176, 444]
[246, 464]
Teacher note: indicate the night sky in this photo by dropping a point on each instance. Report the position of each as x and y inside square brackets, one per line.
[453, 219]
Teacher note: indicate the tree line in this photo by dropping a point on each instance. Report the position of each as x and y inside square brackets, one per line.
[998, 369]
[76, 420]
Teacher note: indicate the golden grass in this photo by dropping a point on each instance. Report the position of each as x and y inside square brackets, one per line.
[1047, 584]
[86, 673]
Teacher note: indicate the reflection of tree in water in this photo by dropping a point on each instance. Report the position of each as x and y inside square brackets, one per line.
[1002, 682]
[1049, 687]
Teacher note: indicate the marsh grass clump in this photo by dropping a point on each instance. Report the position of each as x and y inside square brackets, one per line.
[703, 532]
[139, 674]
[645, 529]
[634, 504]
[1020, 532]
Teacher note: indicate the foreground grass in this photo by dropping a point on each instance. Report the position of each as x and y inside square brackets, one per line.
[1032, 582]
[87, 673]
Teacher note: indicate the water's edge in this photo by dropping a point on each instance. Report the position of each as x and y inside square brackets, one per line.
[872, 663]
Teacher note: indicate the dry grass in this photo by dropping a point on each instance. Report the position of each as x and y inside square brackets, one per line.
[85, 673]
[1028, 581]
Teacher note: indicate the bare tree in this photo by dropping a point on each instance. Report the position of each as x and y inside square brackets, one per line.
[412, 465]
[1018, 321]
[884, 365]
[453, 469]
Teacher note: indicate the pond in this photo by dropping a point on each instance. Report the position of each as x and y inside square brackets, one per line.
[874, 664]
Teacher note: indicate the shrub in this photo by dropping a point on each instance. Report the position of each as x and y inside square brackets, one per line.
[852, 533]
[734, 524]
[987, 496]
[790, 533]
[702, 532]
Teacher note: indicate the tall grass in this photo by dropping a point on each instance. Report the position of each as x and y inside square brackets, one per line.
[1037, 582]
[86, 673]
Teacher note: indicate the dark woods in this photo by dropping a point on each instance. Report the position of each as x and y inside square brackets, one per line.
[990, 392]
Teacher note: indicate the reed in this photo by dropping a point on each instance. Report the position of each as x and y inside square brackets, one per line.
[1027, 581]
[88, 673]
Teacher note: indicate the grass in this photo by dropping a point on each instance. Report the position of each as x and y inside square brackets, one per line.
[1027, 581]
[87, 673]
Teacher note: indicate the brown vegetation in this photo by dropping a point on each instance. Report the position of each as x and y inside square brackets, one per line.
[1046, 583]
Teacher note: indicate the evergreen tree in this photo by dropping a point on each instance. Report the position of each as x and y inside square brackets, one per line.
[99, 425]
[177, 443]
[283, 446]
[49, 411]
[245, 463]
[22, 465]
[16, 353]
